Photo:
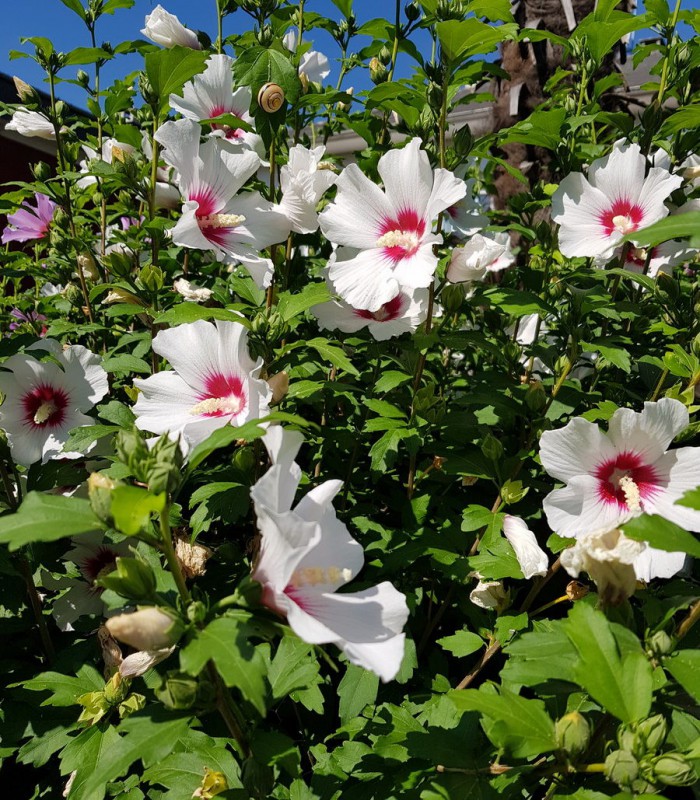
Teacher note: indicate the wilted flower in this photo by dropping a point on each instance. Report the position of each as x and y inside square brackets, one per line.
[148, 629]
[214, 382]
[44, 401]
[215, 216]
[531, 557]
[166, 29]
[303, 183]
[614, 476]
[30, 222]
[111, 149]
[489, 595]
[307, 554]
[617, 199]
[30, 124]
[479, 257]
[608, 556]
[192, 292]
[391, 230]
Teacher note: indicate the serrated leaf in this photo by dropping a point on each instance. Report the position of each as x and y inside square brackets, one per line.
[622, 685]
[519, 725]
[169, 69]
[65, 689]
[46, 518]
[358, 688]
[225, 642]
[662, 534]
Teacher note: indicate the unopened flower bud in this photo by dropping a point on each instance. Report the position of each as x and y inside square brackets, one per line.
[148, 628]
[88, 266]
[377, 71]
[265, 36]
[412, 11]
[118, 264]
[673, 769]
[131, 578]
[151, 277]
[452, 297]
[181, 691]
[513, 492]
[463, 141]
[621, 767]
[163, 469]
[434, 94]
[25, 92]
[83, 78]
[384, 55]
[660, 644]
[573, 734]
[491, 447]
[73, 294]
[279, 384]
[535, 396]
[649, 735]
[100, 493]
[41, 171]
[116, 689]
[119, 295]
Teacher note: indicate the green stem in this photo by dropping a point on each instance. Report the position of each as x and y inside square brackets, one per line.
[35, 603]
[664, 71]
[219, 29]
[659, 385]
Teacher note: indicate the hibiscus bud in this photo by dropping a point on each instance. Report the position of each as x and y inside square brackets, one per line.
[116, 689]
[151, 277]
[576, 591]
[148, 628]
[73, 294]
[131, 578]
[452, 297]
[377, 71]
[100, 493]
[279, 384]
[463, 141]
[384, 55]
[132, 450]
[265, 36]
[118, 264]
[649, 735]
[197, 610]
[491, 447]
[673, 769]
[41, 171]
[88, 266]
[535, 396]
[621, 767]
[434, 94]
[25, 92]
[573, 734]
[411, 11]
[513, 492]
[660, 644]
[163, 472]
[83, 78]
[122, 296]
[181, 691]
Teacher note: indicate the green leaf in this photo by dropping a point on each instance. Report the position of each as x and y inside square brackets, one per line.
[86, 55]
[543, 654]
[462, 643]
[685, 118]
[126, 363]
[617, 356]
[495, 10]
[39, 749]
[65, 689]
[327, 351]
[676, 226]
[461, 39]
[257, 66]
[191, 312]
[517, 303]
[146, 738]
[344, 6]
[662, 533]
[517, 724]
[225, 642]
[542, 128]
[294, 666]
[169, 69]
[132, 508]
[292, 305]
[358, 688]
[46, 518]
[224, 437]
[684, 665]
[76, 6]
[623, 686]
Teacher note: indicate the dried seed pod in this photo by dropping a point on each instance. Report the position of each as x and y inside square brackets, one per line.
[271, 97]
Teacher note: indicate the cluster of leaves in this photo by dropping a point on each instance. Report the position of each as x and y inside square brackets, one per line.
[434, 436]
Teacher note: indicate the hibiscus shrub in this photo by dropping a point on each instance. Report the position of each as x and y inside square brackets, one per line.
[377, 479]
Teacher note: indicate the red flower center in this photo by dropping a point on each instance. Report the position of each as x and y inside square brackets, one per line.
[624, 216]
[101, 562]
[223, 396]
[626, 481]
[401, 236]
[45, 406]
[386, 313]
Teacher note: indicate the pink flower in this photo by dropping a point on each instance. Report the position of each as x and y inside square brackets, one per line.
[611, 477]
[307, 554]
[617, 199]
[390, 229]
[30, 222]
[45, 401]
[214, 382]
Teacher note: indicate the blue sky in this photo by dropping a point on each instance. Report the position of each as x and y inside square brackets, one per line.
[50, 18]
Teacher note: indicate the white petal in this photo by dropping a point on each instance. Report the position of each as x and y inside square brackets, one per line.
[575, 449]
[364, 280]
[678, 472]
[532, 559]
[408, 179]
[653, 563]
[650, 432]
[577, 508]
